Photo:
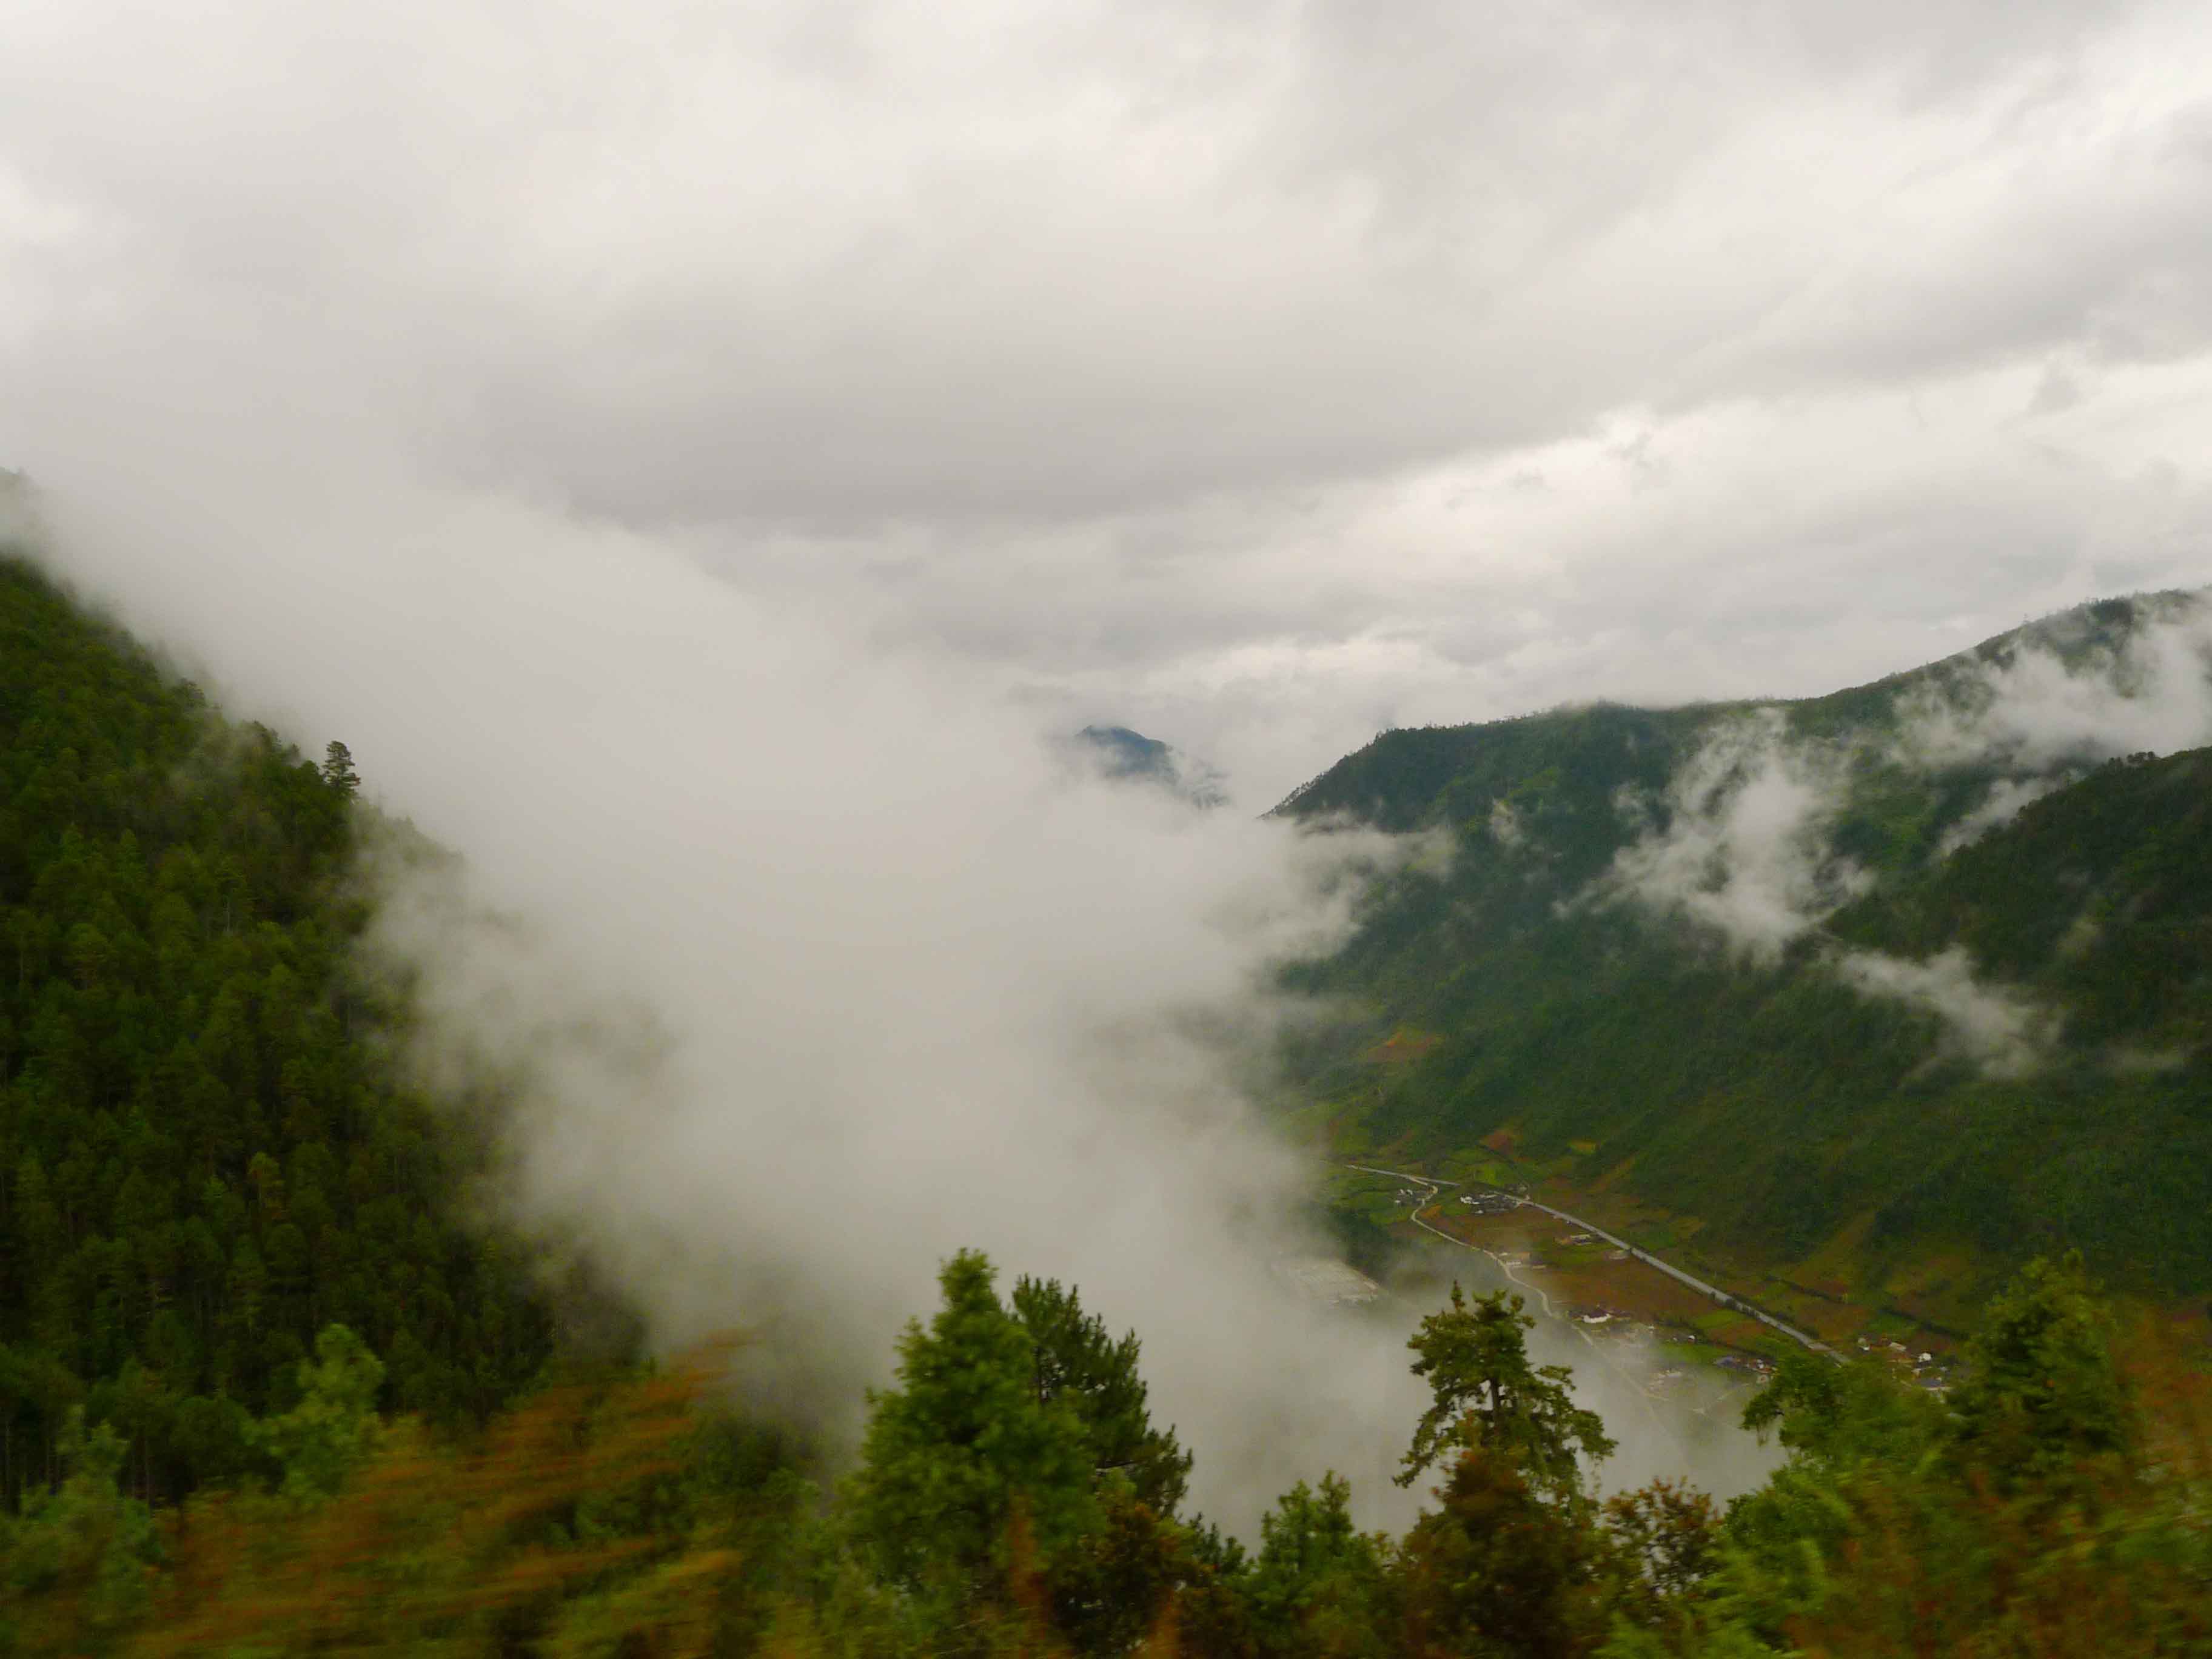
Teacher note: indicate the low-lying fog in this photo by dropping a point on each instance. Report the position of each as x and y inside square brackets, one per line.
[1674, 1420]
[811, 962]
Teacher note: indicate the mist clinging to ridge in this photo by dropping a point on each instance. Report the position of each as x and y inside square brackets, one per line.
[1746, 855]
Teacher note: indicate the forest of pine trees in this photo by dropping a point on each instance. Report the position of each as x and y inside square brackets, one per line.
[200, 1168]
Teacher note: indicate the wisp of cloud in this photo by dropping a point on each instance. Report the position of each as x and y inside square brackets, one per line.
[1746, 852]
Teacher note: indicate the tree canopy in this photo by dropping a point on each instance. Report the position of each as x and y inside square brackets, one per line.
[1487, 1396]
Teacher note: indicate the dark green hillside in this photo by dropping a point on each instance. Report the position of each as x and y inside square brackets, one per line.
[1563, 766]
[1801, 1120]
[1572, 763]
[199, 1166]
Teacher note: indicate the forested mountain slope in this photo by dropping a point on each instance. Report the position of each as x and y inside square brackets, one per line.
[1767, 969]
[200, 1165]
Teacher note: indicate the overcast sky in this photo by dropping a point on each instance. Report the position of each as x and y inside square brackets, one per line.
[1259, 374]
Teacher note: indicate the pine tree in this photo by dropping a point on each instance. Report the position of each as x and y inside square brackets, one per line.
[1487, 1396]
[337, 770]
[1076, 1361]
[963, 1456]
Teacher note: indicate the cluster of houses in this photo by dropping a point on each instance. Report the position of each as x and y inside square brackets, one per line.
[1489, 1203]
[1596, 1314]
[1745, 1364]
[1616, 1323]
[1927, 1369]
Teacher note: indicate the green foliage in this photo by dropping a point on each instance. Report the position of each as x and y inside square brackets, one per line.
[1108, 1589]
[1077, 1364]
[964, 1463]
[1664, 1539]
[338, 770]
[1318, 1585]
[1830, 1414]
[75, 1563]
[334, 1427]
[2038, 1511]
[202, 1162]
[1499, 1569]
[634, 1516]
[591, 1521]
[1488, 1398]
[2043, 1392]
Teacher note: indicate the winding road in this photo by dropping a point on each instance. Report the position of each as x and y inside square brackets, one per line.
[1435, 1185]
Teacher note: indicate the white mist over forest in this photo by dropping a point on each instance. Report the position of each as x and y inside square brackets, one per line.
[816, 966]
[808, 965]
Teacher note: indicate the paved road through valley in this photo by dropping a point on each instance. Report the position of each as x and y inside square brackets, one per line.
[1435, 1183]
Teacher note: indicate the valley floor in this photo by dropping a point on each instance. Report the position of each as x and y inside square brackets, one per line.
[1590, 1267]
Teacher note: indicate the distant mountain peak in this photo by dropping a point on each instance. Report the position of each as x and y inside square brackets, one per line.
[1120, 754]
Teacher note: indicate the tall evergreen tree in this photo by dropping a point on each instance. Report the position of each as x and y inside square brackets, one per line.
[1075, 1361]
[964, 1465]
[1488, 1396]
[337, 770]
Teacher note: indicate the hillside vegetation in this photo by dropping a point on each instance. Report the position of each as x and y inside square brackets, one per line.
[1012, 1498]
[1969, 1045]
[201, 1164]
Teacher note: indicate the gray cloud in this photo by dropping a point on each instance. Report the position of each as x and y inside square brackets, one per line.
[2006, 796]
[2034, 710]
[804, 963]
[2000, 1028]
[1744, 857]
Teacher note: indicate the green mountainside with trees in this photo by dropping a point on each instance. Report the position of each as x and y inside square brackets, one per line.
[1512, 995]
